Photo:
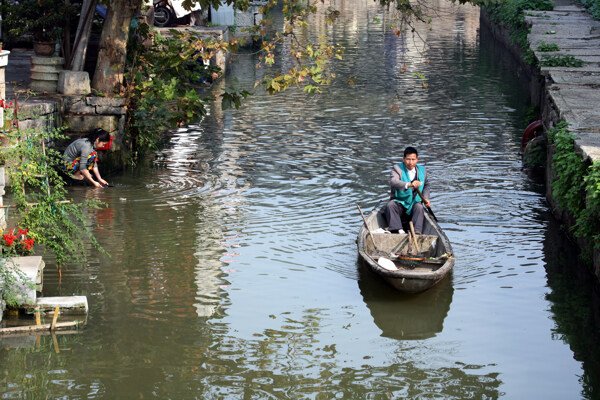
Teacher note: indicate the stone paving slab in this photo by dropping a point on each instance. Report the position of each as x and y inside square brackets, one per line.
[585, 70]
[17, 72]
[583, 121]
[576, 77]
[575, 91]
[588, 145]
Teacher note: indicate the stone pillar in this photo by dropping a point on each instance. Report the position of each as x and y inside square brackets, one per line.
[44, 73]
[3, 63]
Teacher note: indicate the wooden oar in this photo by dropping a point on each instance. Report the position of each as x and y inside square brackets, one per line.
[428, 208]
[414, 237]
[367, 227]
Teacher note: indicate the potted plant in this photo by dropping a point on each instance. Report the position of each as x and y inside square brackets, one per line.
[16, 243]
[42, 19]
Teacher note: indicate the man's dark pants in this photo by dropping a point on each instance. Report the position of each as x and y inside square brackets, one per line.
[394, 212]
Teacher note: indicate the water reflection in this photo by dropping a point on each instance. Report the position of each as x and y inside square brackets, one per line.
[573, 292]
[402, 316]
[233, 264]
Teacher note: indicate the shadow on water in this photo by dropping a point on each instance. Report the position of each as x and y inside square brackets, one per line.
[575, 305]
[405, 316]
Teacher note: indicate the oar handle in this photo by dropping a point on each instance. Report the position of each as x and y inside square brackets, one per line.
[428, 208]
[414, 237]
[366, 225]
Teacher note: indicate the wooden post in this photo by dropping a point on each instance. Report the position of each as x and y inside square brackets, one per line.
[56, 310]
[37, 317]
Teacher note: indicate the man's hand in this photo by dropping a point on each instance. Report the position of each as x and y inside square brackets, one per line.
[102, 181]
[427, 202]
[415, 184]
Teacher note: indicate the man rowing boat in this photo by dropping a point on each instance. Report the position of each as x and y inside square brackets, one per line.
[405, 178]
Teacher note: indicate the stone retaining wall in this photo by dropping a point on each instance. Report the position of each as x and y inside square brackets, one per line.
[564, 93]
[79, 115]
[82, 114]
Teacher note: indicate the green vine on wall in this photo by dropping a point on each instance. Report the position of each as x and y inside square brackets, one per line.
[588, 225]
[577, 186]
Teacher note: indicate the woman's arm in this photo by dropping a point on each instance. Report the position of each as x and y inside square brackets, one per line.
[97, 173]
[88, 176]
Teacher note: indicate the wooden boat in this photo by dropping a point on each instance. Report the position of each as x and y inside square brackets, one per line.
[379, 251]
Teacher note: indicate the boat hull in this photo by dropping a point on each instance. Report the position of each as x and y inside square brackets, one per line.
[434, 246]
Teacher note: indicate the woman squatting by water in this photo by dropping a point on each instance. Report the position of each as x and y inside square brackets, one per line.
[80, 157]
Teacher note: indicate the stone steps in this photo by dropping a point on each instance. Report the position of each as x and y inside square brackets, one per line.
[573, 91]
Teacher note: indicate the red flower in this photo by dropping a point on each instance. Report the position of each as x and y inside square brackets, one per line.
[9, 239]
[28, 243]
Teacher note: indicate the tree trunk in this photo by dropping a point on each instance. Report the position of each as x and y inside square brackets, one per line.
[82, 36]
[108, 76]
[66, 38]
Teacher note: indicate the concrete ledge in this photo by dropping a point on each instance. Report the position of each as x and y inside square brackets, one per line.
[37, 107]
[73, 305]
[31, 268]
[588, 145]
[105, 101]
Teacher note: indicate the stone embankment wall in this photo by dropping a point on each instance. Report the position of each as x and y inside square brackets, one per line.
[81, 114]
[570, 94]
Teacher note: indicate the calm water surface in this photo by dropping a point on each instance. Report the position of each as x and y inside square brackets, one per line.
[234, 272]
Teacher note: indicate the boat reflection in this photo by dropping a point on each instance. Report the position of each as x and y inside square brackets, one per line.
[405, 316]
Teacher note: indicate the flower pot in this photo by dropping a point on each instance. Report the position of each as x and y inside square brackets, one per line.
[45, 49]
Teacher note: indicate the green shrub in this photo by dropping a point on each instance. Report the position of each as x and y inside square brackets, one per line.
[560, 60]
[577, 186]
[164, 84]
[543, 46]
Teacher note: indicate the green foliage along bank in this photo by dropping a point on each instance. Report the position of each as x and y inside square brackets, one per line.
[39, 209]
[593, 6]
[576, 187]
[166, 81]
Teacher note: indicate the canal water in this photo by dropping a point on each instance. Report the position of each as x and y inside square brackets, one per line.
[233, 271]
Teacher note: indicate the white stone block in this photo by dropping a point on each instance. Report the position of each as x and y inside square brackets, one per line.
[68, 304]
[4, 58]
[74, 82]
[30, 272]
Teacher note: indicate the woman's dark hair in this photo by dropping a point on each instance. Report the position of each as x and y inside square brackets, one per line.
[98, 133]
[410, 150]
